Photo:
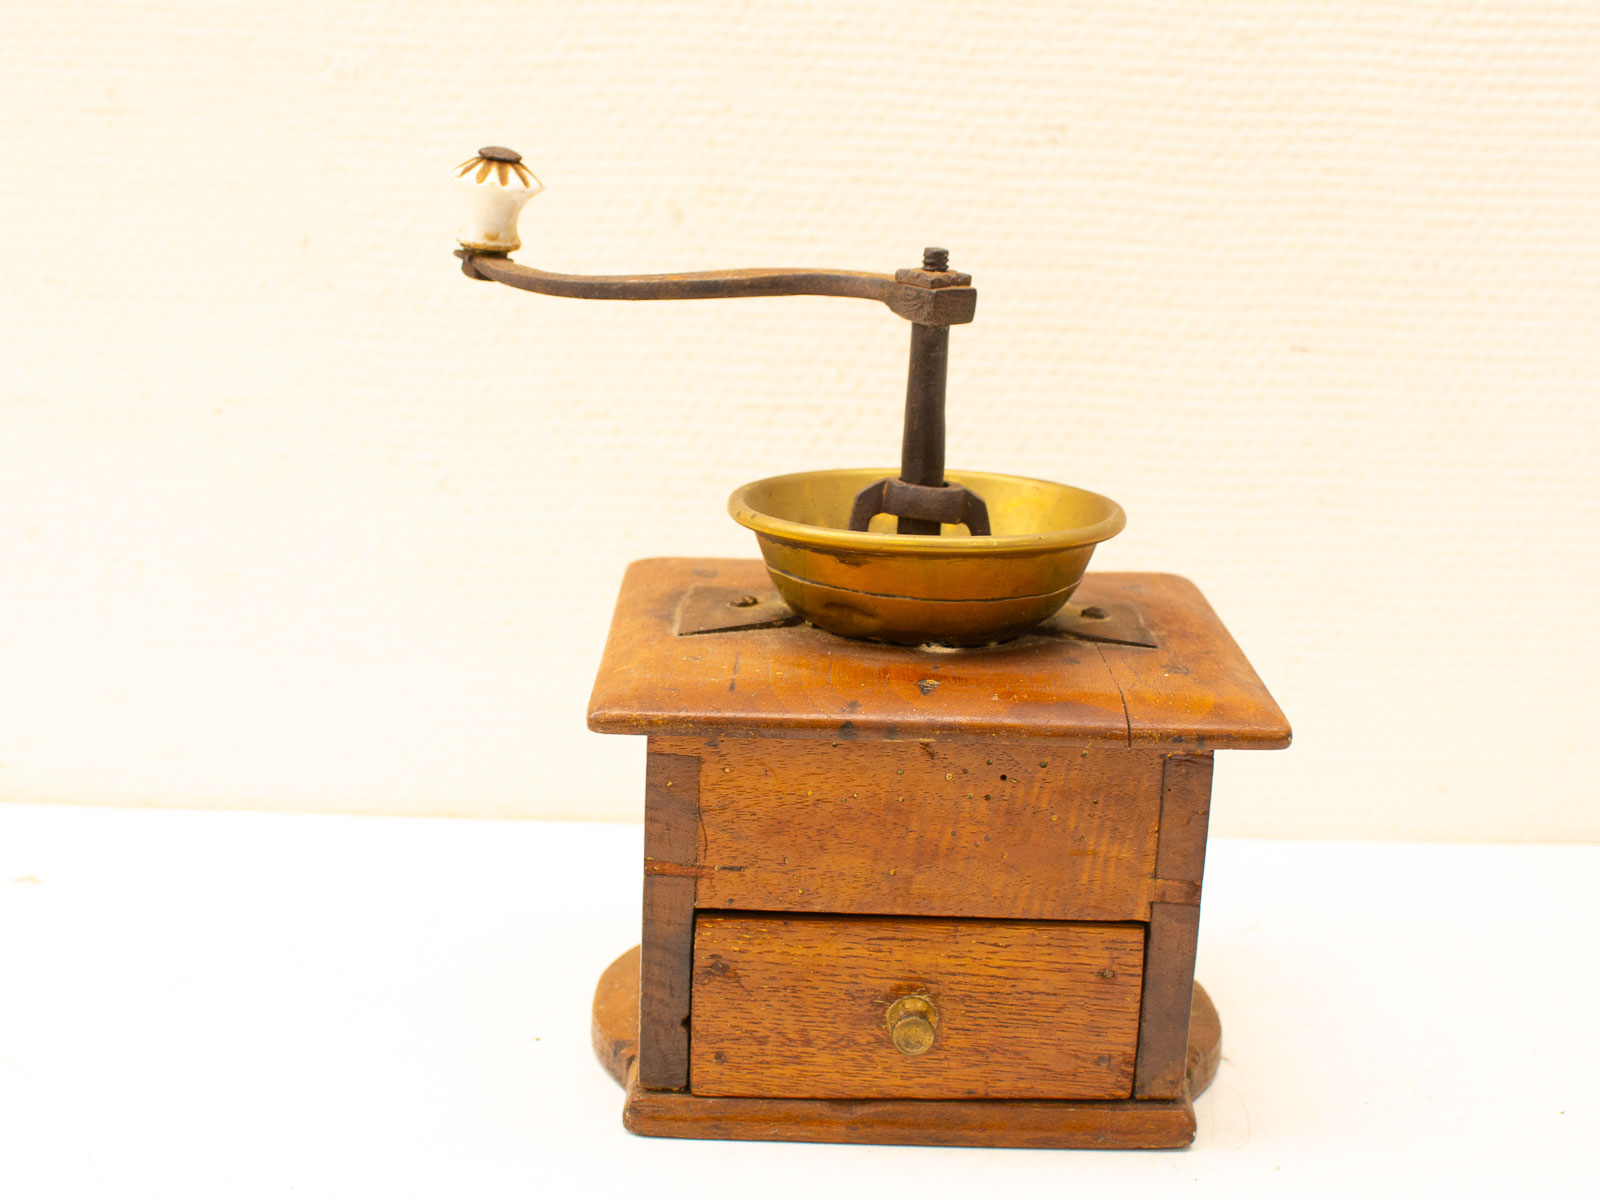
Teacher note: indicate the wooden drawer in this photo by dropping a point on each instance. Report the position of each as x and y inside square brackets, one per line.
[797, 1005]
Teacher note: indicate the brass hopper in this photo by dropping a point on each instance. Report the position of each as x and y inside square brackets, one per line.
[960, 558]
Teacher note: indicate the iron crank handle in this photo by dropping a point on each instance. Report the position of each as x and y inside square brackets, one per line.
[932, 297]
[498, 185]
[949, 301]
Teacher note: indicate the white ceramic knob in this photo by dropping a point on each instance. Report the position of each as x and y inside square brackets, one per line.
[497, 185]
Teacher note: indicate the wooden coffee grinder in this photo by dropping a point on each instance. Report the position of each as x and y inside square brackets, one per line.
[925, 805]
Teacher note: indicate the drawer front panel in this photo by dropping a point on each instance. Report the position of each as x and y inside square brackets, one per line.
[1038, 830]
[814, 1006]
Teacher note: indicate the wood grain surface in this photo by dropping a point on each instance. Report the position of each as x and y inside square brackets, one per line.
[614, 1017]
[1005, 829]
[1185, 817]
[1069, 1124]
[795, 1006]
[1174, 926]
[1195, 690]
[1164, 1009]
[671, 815]
[1017, 1124]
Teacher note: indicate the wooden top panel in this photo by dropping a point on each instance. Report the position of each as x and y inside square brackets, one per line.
[1195, 691]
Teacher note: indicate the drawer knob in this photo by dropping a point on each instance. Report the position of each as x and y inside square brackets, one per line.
[912, 1021]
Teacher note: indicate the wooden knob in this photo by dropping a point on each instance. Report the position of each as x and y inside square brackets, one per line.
[496, 183]
[912, 1021]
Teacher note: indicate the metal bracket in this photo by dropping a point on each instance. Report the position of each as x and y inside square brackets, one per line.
[709, 609]
[945, 504]
[728, 610]
[1114, 624]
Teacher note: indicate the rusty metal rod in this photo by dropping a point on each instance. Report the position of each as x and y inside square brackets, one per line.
[687, 285]
[922, 445]
[919, 304]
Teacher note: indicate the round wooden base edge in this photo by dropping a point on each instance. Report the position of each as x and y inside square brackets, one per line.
[614, 1031]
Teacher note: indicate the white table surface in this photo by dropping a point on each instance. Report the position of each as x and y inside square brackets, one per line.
[242, 1004]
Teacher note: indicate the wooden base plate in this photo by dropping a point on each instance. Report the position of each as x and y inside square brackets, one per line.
[1037, 1124]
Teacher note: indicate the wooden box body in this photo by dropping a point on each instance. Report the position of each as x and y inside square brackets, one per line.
[1016, 833]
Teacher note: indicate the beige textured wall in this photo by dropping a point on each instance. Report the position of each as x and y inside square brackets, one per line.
[292, 515]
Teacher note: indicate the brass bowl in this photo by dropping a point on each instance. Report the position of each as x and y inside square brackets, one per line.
[955, 589]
